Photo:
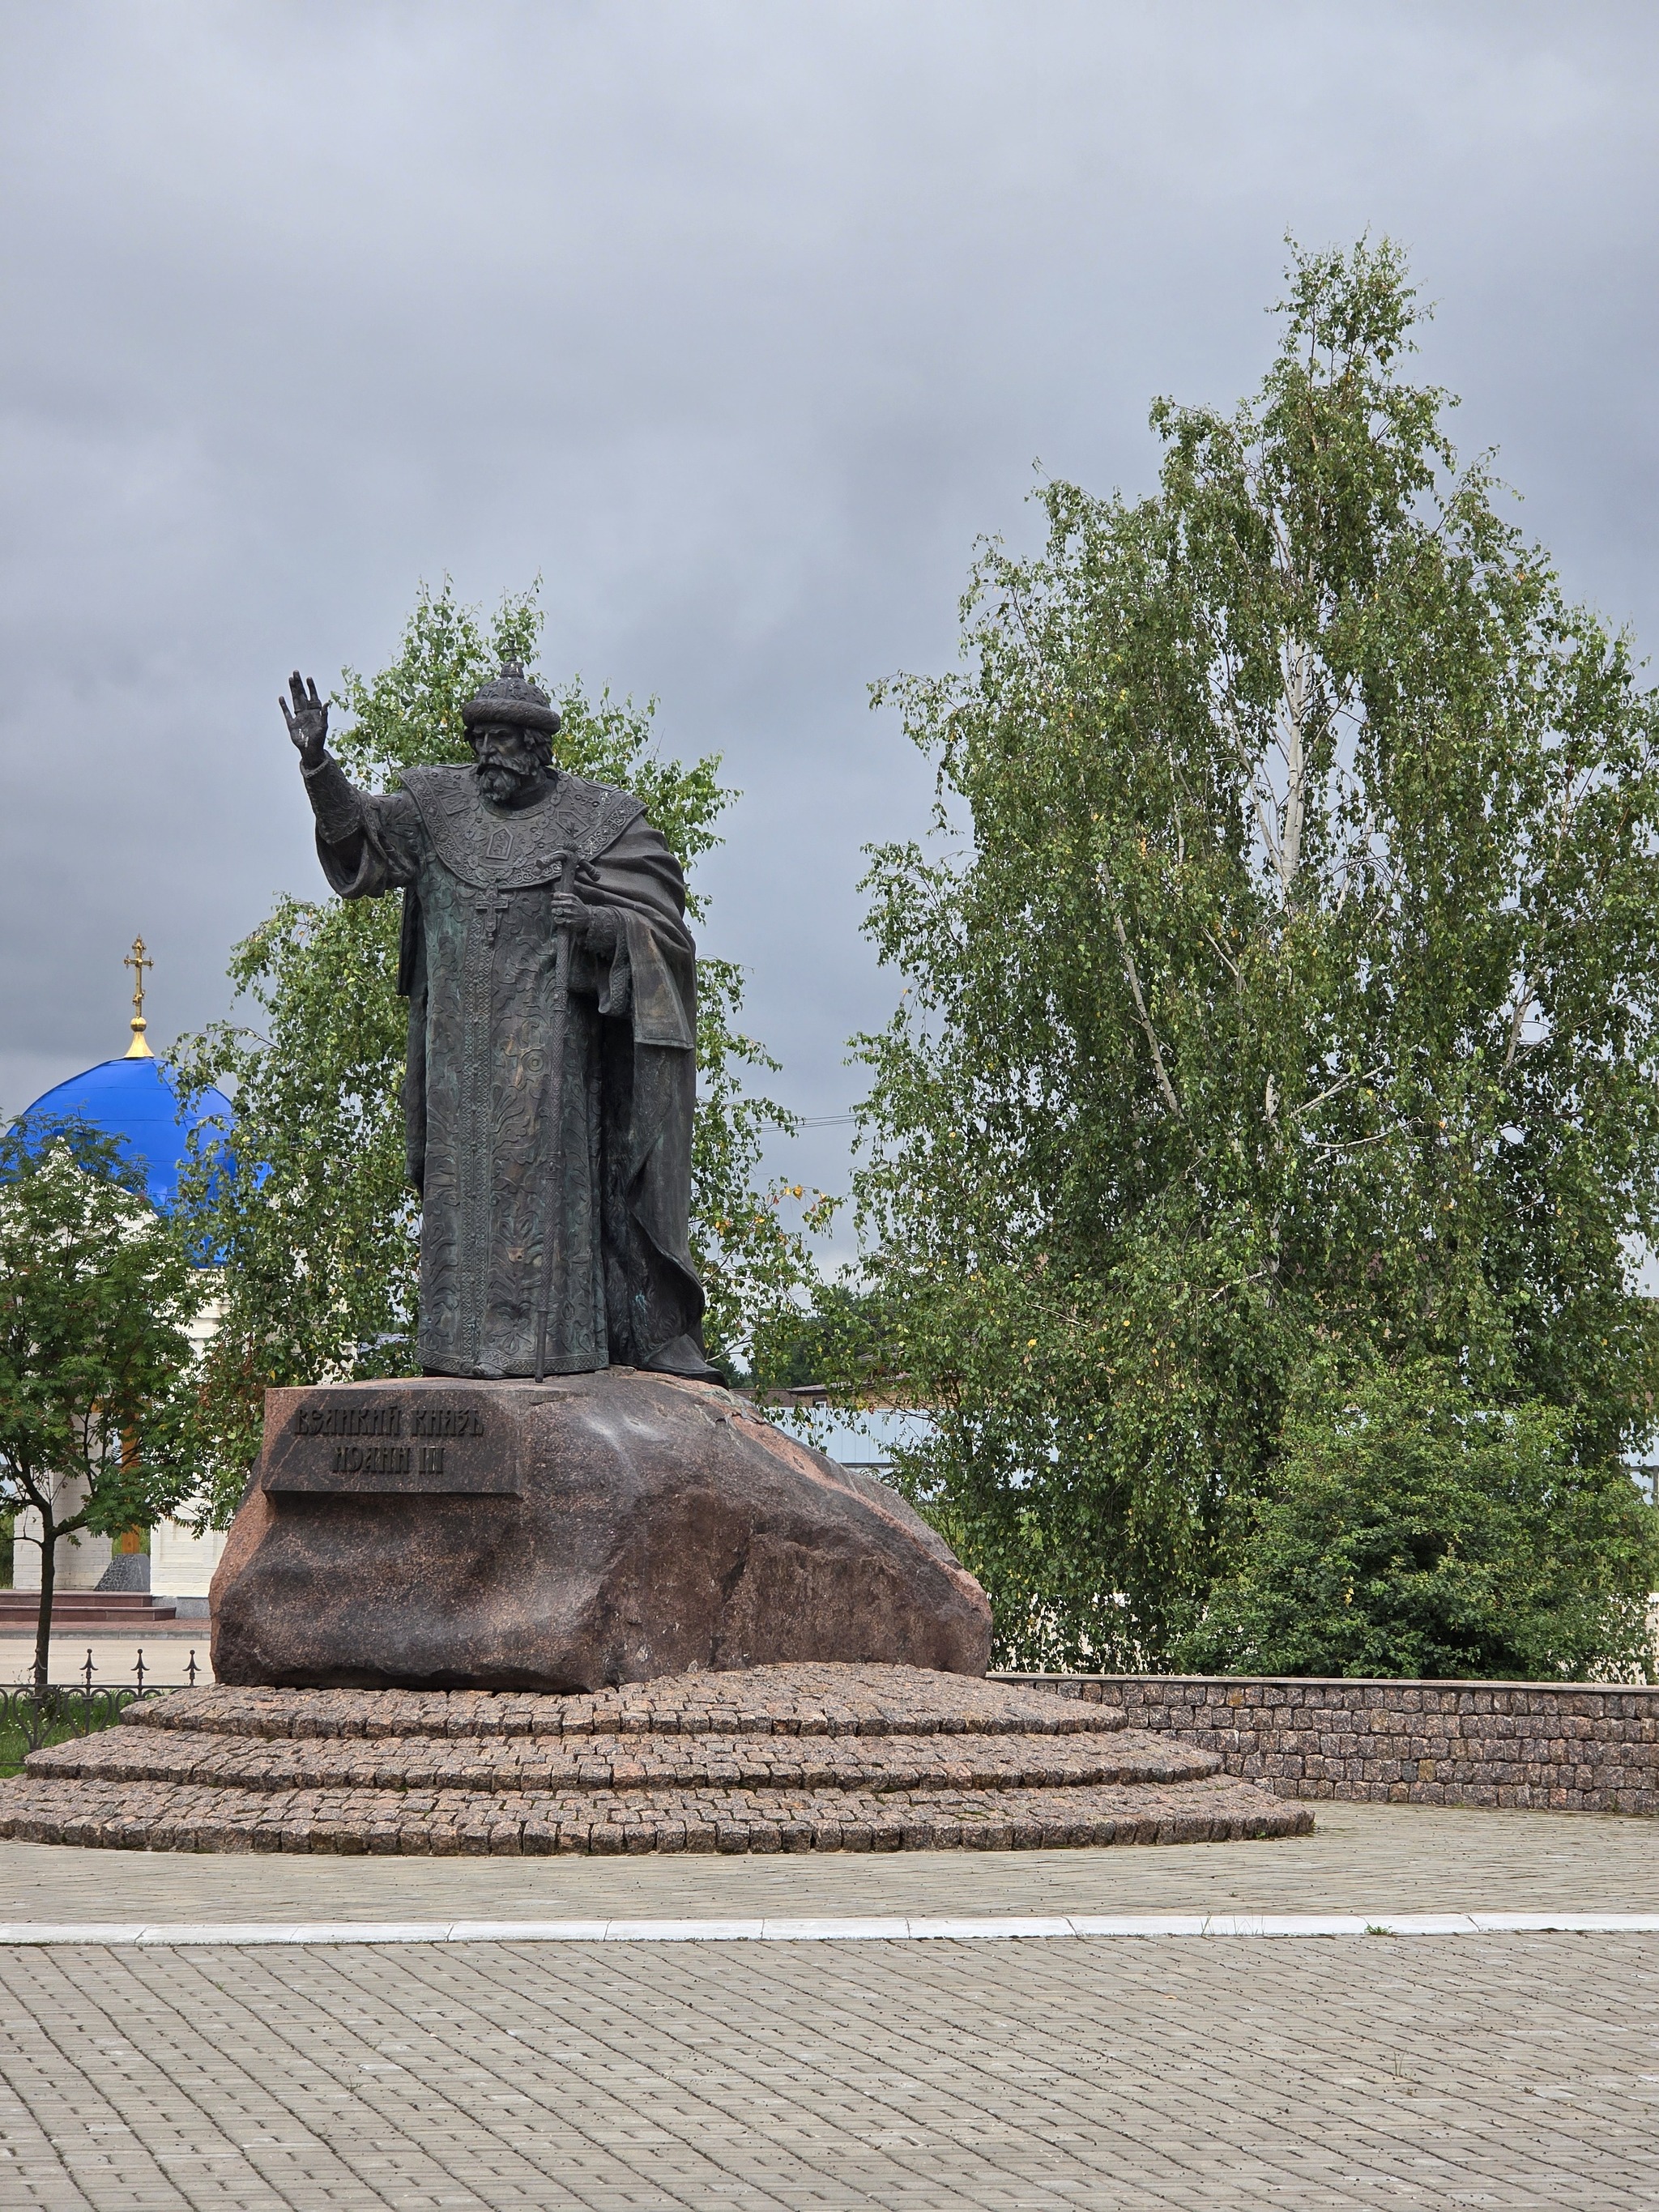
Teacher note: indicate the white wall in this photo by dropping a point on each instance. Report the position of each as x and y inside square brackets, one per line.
[182, 1562]
[77, 1560]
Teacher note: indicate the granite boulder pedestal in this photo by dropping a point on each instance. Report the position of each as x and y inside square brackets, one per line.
[567, 1535]
[605, 1613]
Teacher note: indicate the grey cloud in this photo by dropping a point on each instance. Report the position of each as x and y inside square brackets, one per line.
[736, 324]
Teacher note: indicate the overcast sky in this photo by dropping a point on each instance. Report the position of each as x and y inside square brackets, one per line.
[738, 325]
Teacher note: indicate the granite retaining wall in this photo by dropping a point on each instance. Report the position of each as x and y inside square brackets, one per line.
[1580, 1748]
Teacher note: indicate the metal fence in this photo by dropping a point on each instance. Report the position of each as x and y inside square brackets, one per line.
[145, 1678]
[47, 1715]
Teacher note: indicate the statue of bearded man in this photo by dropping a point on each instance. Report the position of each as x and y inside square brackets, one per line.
[551, 984]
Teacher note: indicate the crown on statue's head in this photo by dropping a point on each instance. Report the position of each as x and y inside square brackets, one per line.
[512, 697]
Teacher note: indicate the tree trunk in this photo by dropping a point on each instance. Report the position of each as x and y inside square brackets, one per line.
[43, 1618]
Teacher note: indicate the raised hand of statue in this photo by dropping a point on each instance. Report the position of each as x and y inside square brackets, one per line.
[307, 724]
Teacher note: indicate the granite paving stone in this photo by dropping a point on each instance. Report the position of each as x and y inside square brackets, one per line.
[1360, 1858]
[1513, 2071]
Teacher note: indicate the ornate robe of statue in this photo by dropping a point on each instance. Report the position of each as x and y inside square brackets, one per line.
[610, 1182]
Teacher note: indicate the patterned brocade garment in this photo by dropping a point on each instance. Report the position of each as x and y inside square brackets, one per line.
[479, 966]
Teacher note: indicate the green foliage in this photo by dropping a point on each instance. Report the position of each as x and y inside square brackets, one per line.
[52, 1714]
[97, 1297]
[317, 1227]
[1281, 978]
[757, 1274]
[842, 1341]
[1407, 1535]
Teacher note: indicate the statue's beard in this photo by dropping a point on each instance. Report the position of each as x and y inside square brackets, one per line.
[500, 784]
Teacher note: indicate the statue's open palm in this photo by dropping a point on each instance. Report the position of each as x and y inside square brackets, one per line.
[307, 723]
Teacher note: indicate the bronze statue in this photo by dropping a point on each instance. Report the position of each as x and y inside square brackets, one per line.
[551, 984]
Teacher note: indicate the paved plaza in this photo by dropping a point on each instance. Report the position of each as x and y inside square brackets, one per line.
[913, 2076]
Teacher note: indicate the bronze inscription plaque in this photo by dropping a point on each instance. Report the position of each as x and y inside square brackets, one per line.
[416, 1441]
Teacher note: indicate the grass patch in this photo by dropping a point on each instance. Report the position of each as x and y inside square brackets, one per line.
[16, 1741]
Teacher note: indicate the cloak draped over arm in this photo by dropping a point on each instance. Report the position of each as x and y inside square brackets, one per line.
[640, 881]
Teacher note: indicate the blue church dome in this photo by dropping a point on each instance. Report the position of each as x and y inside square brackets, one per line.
[135, 1101]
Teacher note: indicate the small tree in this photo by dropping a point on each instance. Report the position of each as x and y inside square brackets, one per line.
[1410, 1534]
[97, 1295]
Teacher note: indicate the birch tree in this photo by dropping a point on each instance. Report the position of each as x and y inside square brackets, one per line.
[1279, 984]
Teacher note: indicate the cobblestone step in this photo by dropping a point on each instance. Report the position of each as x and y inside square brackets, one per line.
[801, 1757]
[151, 1816]
[809, 1698]
[982, 1762]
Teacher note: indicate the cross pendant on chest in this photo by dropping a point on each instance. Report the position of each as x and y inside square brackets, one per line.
[490, 908]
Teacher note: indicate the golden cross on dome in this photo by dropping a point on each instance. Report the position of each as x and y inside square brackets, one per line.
[138, 960]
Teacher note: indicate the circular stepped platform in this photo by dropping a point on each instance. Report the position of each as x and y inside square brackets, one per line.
[808, 1757]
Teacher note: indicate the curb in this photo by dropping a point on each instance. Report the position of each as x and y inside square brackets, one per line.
[118, 1934]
